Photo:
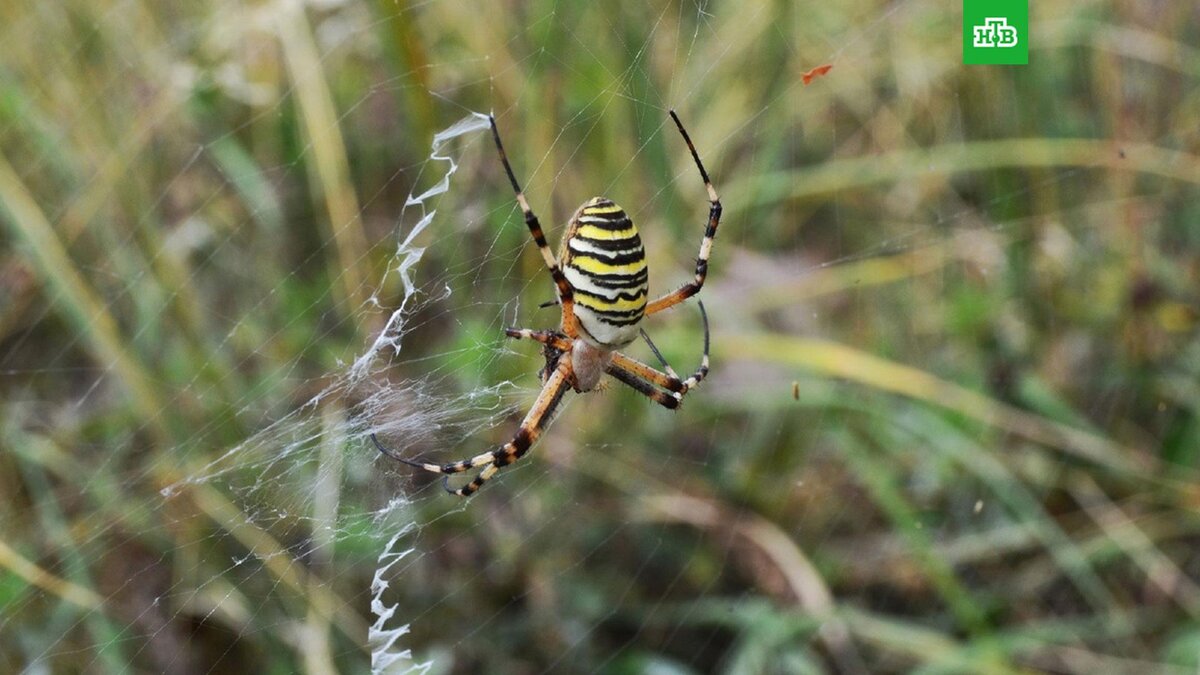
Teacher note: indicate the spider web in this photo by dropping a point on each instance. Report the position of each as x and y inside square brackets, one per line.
[235, 513]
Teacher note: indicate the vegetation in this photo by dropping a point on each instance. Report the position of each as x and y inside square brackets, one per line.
[953, 423]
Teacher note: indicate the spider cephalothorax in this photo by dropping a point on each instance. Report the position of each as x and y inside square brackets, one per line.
[602, 281]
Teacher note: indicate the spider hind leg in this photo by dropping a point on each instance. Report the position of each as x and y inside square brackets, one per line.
[448, 468]
[701, 372]
[650, 382]
[531, 428]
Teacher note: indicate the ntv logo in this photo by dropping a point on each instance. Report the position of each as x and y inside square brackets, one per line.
[995, 32]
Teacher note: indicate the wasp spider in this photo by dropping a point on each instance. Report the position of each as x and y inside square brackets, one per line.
[601, 278]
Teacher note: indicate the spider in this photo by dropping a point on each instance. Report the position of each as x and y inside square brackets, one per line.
[601, 280]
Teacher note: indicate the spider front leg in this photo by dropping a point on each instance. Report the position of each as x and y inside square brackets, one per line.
[565, 292]
[531, 428]
[710, 232]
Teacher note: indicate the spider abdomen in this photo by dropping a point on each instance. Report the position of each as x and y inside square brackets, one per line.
[603, 260]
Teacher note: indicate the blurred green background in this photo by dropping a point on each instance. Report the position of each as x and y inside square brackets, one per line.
[953, 421]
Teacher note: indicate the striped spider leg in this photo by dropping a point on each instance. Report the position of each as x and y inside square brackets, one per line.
[639, 376]
[714, 219]
[601, 279]
[531, 428]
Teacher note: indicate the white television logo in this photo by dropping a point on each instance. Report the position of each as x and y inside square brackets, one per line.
[995, 32]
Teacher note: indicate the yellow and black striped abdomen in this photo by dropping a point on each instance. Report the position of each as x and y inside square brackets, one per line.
[603, 260]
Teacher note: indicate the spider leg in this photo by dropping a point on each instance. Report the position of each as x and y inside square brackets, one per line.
[554, 345]
[531, 428]
[451, 467]
[642, 379]
[657, 354]
[547, 337]
[701, 372]
[565, 294]
[714, 219]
